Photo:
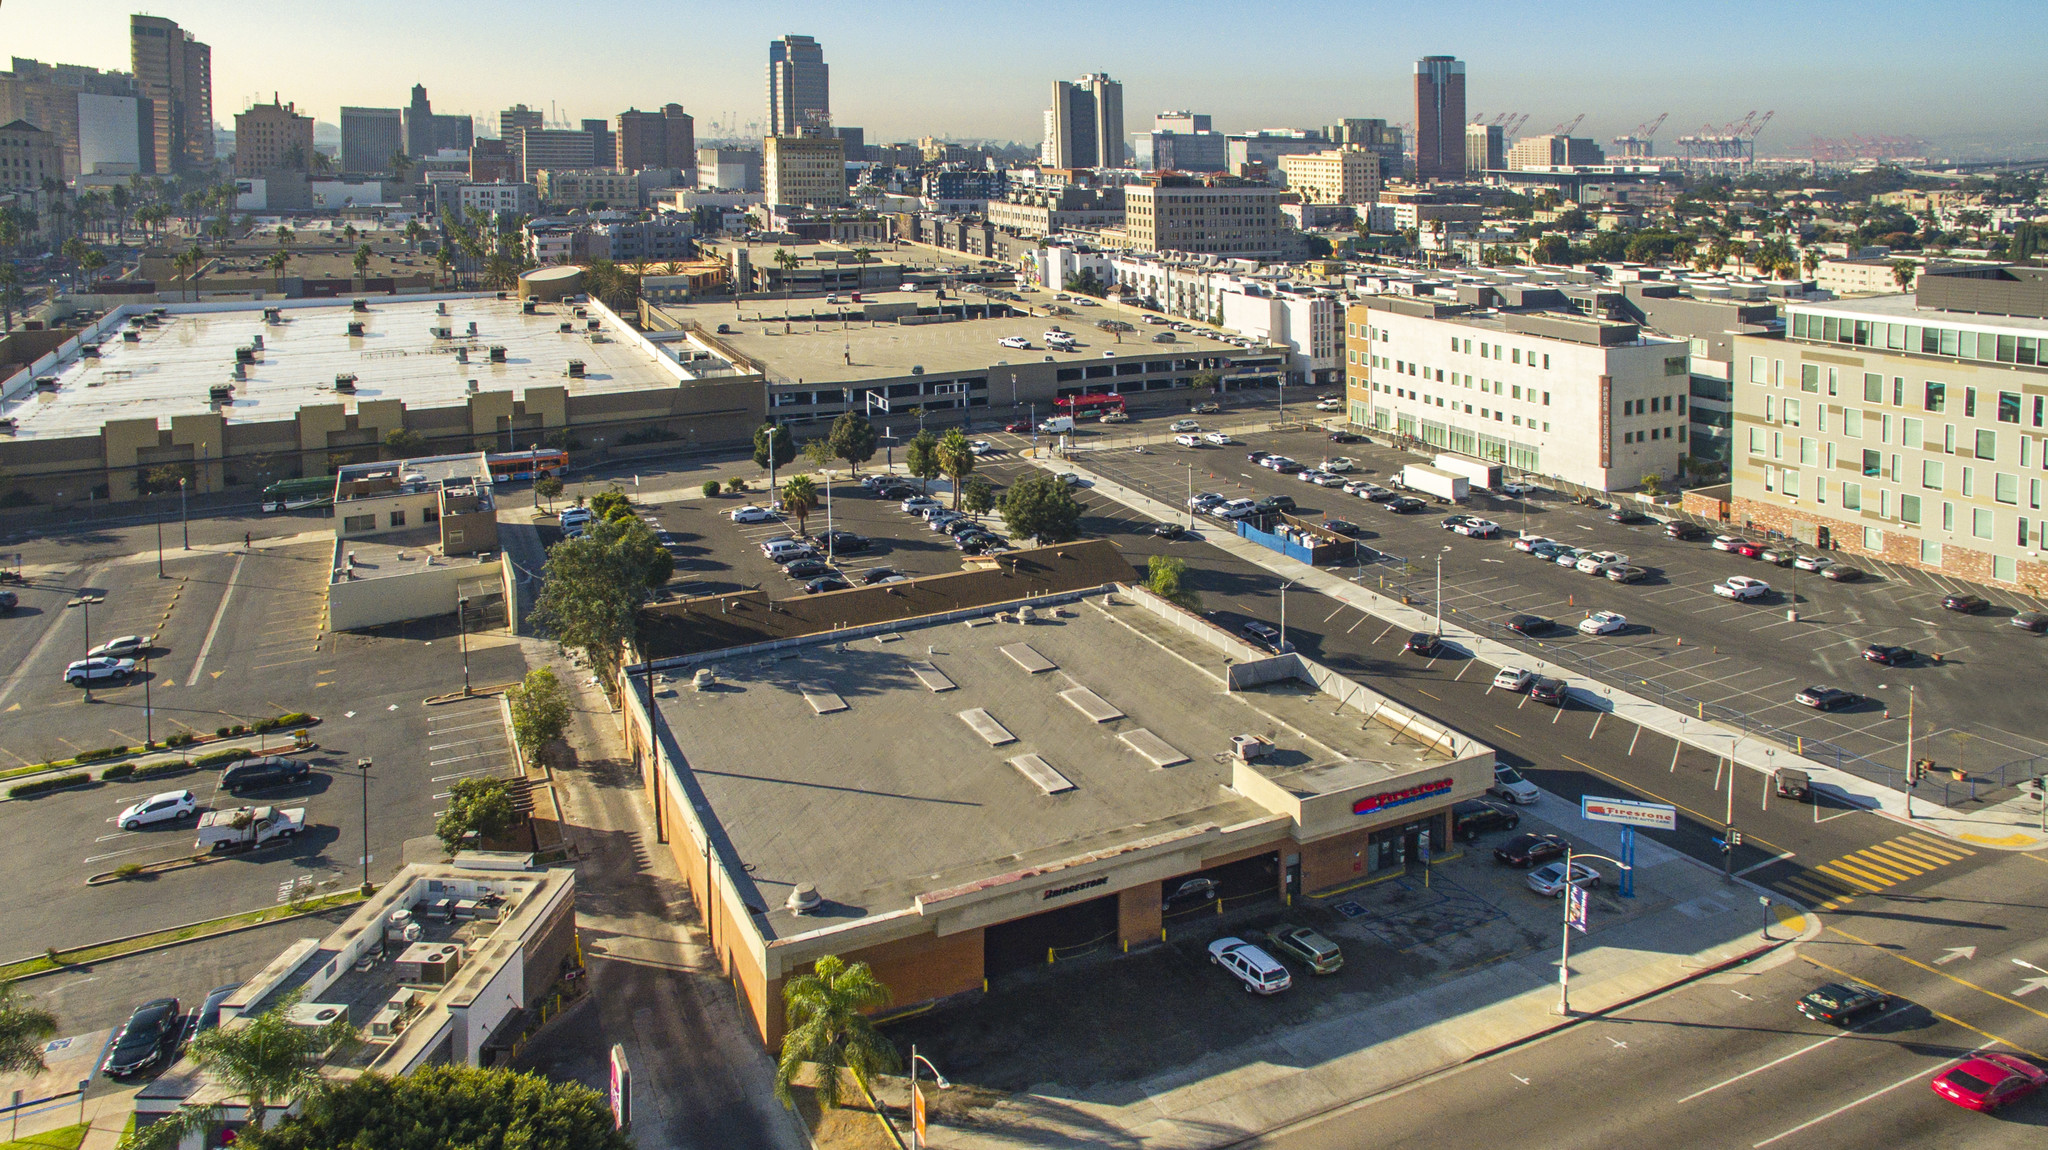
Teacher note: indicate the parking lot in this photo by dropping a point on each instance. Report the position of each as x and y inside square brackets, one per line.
[1090, 1022]
[1692, 649]
[237, 636]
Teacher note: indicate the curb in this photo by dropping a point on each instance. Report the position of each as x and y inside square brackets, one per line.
[97, 765]
[63, 967]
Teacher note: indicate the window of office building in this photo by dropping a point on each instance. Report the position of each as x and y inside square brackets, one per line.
[1969, 482]
[2008, 407]
[1809, 377]
[1937, 397]
[1930, 552]
[1873, 461]
[1873, 387]
[1987, 444]
[1793, 412]
[1909, 509]
[1948, 516]
[2005, 487]
[1791, 483]
[1970, 403]
[2004, 569]
[1981, 522]
[1931, 474]
[1873, 539]
[1809, 451]
[1852, 497]
[1909, 430]
[1757, 372]
[1852, 422]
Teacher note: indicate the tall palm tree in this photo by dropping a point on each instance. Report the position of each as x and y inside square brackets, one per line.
[362, 261]
[269, 1060]
[799, 497]
[276, 263]
[956, 460]
[414, 233]
[92, 262]
[825, 1012]
[284, 236]
[184, 262]
[23, 1028]
[400, 164]
[10, 293]
[118, 196]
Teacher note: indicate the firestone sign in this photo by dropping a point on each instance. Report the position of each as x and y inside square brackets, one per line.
[1649, 816]
[1374, 804]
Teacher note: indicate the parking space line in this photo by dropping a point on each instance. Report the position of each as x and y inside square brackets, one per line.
[218, 614]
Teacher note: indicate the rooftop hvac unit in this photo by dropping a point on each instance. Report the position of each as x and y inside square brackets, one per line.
[241, 371]
[131, 336]
[703, 679]
[1249, 747]
[397, 923]
[462, 355]
[497, 353]
[593, 325]
[441, 308]
[443, 332]
[530, 307]
[472, 328]
[345, 382]
[256, 341]
[314, 1015]
[470, 385]
[46, 382]
[355, 328]
[430, 963]
[575, 369]
[566, 327]
[359, 305]
[245, 355]
[273, 315]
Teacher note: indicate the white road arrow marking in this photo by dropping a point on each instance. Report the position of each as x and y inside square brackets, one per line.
[1956, 952]
[2030, 986]
[1620, 1045]
[1740, 995]
[1518, 1078]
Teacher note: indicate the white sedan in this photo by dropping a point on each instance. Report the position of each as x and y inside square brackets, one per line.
[158, 808]
[1725, 543]
[752, 514]
[1477, 528]
[1602, 623]
[98, 668]
[1340, 464]
[1513, 679]
[1325, 479]
[1531, 542]
[1183, 425]
[1598, 562]
[1515, 489]
[981, 447]
[125, 645]
[1742, 587]
[1807, 562]
[1549, 880]
[1218, 438]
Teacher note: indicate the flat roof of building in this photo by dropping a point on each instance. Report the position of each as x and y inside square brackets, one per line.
[1906, 308]
[976, 748]
[825, 353]
[170, 370]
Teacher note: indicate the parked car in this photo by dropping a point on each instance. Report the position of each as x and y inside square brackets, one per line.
[1299, 942]
[1839, 1004]
[1260, 972]
[2034, 621]
[830, 581]
[1424, 643]
[208, 1015]
[805, 568]
[1405, 505]
[1603, 623]
[1453, 522]
[1266, 636]
[1344, 527]
[1726, 543]
[1205, 407]
[1018, 427]
[1203, 501]
[1169, 530]
[1841, 573]
[1188, 440]
[1889, 655]
[163, 807]
[1514, 679]
[1628, 515]
[1509, 784]
[1623, 573]
[1966, 604]
[1550, 881]
[1373, 492]
[1826, 698]
[146, 1040]
[1531, 542]
[984, 447]
[843, 542]
[1566, 556]
[1517, 489]
[8, 602]
[125, 645]
[1325, 479]
[1547, 550]
[1527, 850]
[1192, 891]
[1806, 562]
[1181, 424]
[1597, 562]
[1529, 625]
[1346, 437]
[918, 503]
[1258, 457]
[1478, 528]
[751, 514]
[1218, 438]
[1475, 817]
[1988, 1081]
[940, 520]
[1742, 588]
[263, 771]
[1683, 531]
[1235, 509]
[98, 669]
[874, 575]
[1778, 557]
[1549, 690]
[1749, 550]
[1273, 503]
[1340, 464]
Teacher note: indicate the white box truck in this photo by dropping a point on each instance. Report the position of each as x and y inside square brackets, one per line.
[1435, 481]
[239, 828]
[1477, 472]
[1057, 425]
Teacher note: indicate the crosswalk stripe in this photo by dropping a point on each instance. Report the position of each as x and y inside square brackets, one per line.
[1929, 848]
[1822, 882]
[1878, 864]
[1915, 855]
[1937, 846]
[1833, 904]
[1916, 863]
[1848, 875]
[1807, 892]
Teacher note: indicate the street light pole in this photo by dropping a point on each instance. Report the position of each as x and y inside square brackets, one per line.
[363, 765]
[917, 1142]
[184, 515]
[1909, 753]
[159, 546]
[86, 601]
[462, 622]
[1564, 955]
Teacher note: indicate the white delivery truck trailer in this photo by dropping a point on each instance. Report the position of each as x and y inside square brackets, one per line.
[1435, 481]
[1477, 472]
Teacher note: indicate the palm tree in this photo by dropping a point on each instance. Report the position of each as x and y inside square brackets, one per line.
[23, 1028]
[269, 1060]
[362, 261]
[400, 164]
[956, 460]
[92, 261]
[827, 1025]
[196, 261]
[349, 233]
[862, 257]
[10, 293]
[119, 197]
[445, 257]
[414, 233]
[799, 496]
[284, 236]
[787, 261]
[276, 263]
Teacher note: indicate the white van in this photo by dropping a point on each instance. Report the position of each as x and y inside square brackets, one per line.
[1258, 971]
[1056, 425]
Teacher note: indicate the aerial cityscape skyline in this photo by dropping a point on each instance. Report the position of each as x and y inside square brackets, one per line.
[1329, 60]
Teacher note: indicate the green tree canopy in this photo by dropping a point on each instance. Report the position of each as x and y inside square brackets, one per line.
[593, 588]
[23, 1030]
[956, 461]
[1551, 249]
[825, 1013]
[540, 711]
[445, 1107]
[482, 805]
[548, 487]
[980, 497]
[270, 1059]
[1163, 575]
[611, 504]
[773, 447]
[1041, 507]
[853, 439]
[921, 458]
[403, 442]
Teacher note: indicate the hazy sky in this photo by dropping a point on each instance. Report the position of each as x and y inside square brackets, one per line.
[902, 69]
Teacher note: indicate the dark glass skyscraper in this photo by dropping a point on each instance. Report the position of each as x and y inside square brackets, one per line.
[1439, 118]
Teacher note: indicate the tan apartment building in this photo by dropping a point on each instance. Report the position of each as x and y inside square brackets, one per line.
[1338, 176]
[1178, 214]
[1908, 428]
[272, 136]
[801, 170]
[28, 156]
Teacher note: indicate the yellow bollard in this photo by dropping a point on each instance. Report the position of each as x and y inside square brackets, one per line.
[1048, 956]
[1219, 906]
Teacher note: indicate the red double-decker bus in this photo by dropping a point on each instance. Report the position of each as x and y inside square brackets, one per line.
[1082, 405]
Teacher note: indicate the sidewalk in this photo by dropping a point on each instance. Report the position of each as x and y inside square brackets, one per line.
[1705, 925]
[2002, 827]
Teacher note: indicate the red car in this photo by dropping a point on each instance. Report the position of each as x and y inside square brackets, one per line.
[1018, 426]
[1989, 1081]
[1749, 550]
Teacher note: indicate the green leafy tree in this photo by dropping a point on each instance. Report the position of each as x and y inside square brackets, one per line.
[548, 487]
[799, 496]
[540, 711]
[403, 442]
[592, 591]
[773, 446]
[819, 452]
[956, 461]
[1551, 249]
[1041, 507]
[980, 497]
[921, 458]
[482, 807]
[443, 1107]
[853, 439]
[23, 1031]
[825, 1013]
[611, 504]
[269, 1060]
[1163, 575]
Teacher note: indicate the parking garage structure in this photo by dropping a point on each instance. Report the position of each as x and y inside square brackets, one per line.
[966, 795]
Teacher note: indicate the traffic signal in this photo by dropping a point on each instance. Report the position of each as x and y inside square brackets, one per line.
[1734, 838]
[2037, 787]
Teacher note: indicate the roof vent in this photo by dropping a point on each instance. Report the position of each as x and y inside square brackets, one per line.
[804, 899]
[702, 680]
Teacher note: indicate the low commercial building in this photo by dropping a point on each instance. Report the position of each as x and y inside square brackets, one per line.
[413, 538]
[521, 199]
[1866, 275]
[1048, 210]
[1025, 759]
[1908, 428]
[736, 169]
[666, 238]
[1517, 376]
[448, 963]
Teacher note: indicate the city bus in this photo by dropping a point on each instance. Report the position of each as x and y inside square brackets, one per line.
[293, 494]
[1080, 406]
[527, 464]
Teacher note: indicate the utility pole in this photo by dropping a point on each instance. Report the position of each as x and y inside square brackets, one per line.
[1729, 836]
[184, 514]
[363, 765]
[1912, 769]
